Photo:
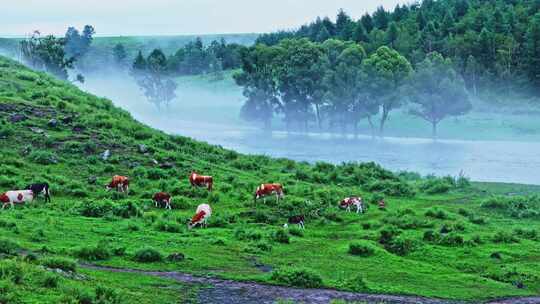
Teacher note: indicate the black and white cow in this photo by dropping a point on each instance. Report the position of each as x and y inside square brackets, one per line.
[40, 188]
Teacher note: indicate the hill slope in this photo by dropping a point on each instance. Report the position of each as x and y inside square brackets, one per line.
[457, 242]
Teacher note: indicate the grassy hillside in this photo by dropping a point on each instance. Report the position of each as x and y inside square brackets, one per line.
[437, 238]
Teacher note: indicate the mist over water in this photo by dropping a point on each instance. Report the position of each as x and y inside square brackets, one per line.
[207, 112]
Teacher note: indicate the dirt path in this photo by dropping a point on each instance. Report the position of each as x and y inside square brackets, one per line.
[233, 292]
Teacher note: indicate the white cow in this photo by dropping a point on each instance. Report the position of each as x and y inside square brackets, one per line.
[204, 211]
[348, 202]
[16, 197]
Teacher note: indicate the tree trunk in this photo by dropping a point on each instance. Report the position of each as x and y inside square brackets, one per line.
[383, 121]
[372, 126]
[319, 121]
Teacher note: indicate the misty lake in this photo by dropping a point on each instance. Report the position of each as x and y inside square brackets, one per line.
[214, 120]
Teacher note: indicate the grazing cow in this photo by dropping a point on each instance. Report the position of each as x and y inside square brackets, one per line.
[265, 190]
[197, 180]
[120, 183]
[42, 188]
[348, 202]
[162, 198]
[201, 216]
[16, 197]
[295, 220]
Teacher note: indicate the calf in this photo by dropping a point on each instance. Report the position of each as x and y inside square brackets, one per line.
[16, 197]
[295, 220]
[348, 202]
[265, 190]
[201, 216]
[120, 183]
[197, 180]
[162, 198]
[42, 188]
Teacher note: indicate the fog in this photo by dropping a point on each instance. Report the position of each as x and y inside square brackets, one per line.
[210, 112]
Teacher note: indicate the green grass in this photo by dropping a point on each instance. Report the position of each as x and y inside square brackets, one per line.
[486, 263]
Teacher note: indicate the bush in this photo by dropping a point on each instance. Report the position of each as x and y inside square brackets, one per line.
[106, 295]
[43, 157]
[400, 246]
[8, 293]
[452, 240]
[49, 280]
[8, 247]
[247, 234]
[296, 231]
[126, 210]
[297, 277]
[361, 249]
[12, 271]
[60, 263]
[387, 234]
[504, 237]
[530, 234]
[95, 208]
[436, 186]
[281, 236]
[436, 213]
[355, 284]
[148, 255]
[167, 226]
[93, 253]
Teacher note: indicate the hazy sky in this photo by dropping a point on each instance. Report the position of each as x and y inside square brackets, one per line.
[169, 17]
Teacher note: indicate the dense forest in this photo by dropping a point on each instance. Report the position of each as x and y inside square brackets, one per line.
[434, 55]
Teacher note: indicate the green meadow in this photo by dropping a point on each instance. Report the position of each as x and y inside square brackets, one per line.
[438, 237]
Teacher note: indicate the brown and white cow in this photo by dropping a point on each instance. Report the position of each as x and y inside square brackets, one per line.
[197, 180]
[265, 190]
[120, 183]
[162, 198]
[348, 202]
[203, 213]
[16, 197]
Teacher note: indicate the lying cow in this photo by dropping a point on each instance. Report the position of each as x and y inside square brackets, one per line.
[120, 183]
[348, 202]
[265, 190]
[295, 220]
[201, 216]
[16, 197]
[197, 180]
[162, 198]
[41, 188]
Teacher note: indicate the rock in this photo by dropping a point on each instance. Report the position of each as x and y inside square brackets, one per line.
[37, 130]
[167, 165]
[155, 162]
[176, 257]
[105, 155]
[92, 180]
[17, 117]
[78, 129]
[143, 148]
[67, 119]
[134, 164]
[53, 123]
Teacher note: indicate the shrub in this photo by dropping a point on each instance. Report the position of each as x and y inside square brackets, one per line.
[436, 186]
[95, 208]
[355, 284]
[106, 295]
[504, 237]
[167, 226]
[463, 212]
[400, 246]
[297, 277]
[387, 234]
[8, 247]
[361, 249]
[60, 263]
[530, 234]
[436, 213]
[247, 234]
[126, 209]
[281, 236]
[296, 231]
[12, 271]
[8, 293]
[431, 236]
[477, 220]
[49, 280]
[93, 253]
[148, 255]
[263, 246]
[452, 239]
[43, 157]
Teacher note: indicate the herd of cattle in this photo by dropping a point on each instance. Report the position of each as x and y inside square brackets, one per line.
[163, 199]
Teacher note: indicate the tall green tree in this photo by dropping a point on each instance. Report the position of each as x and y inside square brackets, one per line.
[119, 54]
[387, 71]
[47, 54]
[438, 91]
[533, 50]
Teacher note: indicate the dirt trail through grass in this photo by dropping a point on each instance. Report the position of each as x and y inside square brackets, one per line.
[232, 292]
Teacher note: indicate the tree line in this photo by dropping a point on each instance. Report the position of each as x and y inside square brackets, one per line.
[494, 45]
[336, 84]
